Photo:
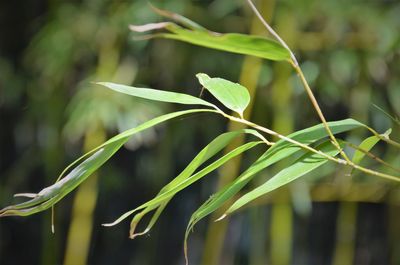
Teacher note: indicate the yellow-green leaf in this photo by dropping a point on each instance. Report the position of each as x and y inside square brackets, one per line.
[157, 95]
[258, 46]
[233, 95]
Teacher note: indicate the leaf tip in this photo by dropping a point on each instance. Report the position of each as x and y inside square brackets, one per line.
[149, 26]
[99, 83]
[220, 218]
[387, 133]
[108, 224]
[134, 235]
[27, 195]
[202, 77]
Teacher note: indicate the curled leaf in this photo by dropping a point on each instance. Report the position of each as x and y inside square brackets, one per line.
[258, 46]
[280, 150]
[148, 27]
[49, 196]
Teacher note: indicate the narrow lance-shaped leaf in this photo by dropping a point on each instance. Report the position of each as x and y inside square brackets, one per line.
[188, 181]
[305, 164]
[233, 95]
[277, 152]
[52, 194]
[366, 146]
[136, 219]
[231, 42]
[157, 95]
[206, 153]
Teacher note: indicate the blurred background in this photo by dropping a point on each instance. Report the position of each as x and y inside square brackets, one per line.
[50, 114]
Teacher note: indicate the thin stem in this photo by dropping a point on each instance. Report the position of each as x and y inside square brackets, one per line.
[280, 136]
[372, 156]
[306, 147]
[264, 140]
[373, 172]
[272, 31]
[296, 66]
[383, 137]
[319, 111]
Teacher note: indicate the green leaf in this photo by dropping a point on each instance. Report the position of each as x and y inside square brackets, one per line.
[258, 46]
[205, 154]
[302, 166]
[185, 180]
[157, 95]
[366, 146]
[136, 219]
[233, 95]
[276, 153]
[98, 156]
[52, 194]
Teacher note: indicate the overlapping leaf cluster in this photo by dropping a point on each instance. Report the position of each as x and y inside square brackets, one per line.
[309, 145]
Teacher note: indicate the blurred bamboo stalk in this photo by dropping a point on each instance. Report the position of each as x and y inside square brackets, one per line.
[80, 231]
[259, 229]
[281, 228]
[281, 232]
[346, 225]
[394, 231]
[55, 105]
[249, 78]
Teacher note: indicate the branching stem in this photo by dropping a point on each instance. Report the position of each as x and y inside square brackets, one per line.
[295, 64]
[372, 156]
[308, 148]
[272, 31]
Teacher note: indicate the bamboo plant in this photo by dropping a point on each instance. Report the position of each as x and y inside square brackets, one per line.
[311, 147]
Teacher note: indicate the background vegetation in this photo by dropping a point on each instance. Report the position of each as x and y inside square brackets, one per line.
[50, 114]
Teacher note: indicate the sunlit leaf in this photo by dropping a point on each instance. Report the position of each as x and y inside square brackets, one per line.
[231, 42]
[233, 95]
[179, 183]
[52, 194]
[299, 168]
[276, 153]
[157, 95]
[366, 146]
[206, 153]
